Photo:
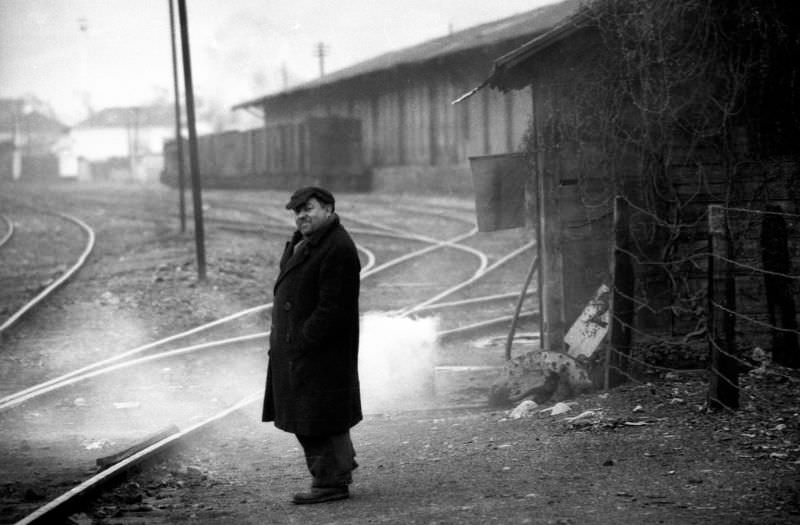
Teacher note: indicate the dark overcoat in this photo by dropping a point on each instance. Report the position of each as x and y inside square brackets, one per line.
[312, 375]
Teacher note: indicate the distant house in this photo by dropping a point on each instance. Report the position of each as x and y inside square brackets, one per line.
[27, 138]
[123, 143]
[412, 134]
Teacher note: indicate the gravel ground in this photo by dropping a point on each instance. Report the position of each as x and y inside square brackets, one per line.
[667, 462]
[646, 453]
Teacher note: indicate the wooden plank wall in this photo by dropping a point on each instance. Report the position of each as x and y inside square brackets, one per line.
[410, 120]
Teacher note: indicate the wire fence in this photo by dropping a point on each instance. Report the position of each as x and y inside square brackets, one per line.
[717, 300]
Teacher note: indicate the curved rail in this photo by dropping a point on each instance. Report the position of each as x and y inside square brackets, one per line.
[10, 400]
[90, 372]
[58, 282]
[87, 371]
[58, 505]
[464, 284]
[106, 365]
[9, 230]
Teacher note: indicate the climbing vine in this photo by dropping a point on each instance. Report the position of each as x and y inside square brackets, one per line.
[682, 102]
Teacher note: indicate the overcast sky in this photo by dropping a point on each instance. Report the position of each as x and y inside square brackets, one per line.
[239, 47]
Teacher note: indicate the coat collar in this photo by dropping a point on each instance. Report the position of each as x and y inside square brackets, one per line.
[292, 261]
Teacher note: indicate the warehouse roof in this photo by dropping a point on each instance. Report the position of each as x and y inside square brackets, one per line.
[504, 68]
[530, 23]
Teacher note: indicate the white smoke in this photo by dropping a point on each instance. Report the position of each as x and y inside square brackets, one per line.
[396, 361]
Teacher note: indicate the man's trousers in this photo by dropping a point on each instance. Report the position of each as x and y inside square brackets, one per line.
[330, 459]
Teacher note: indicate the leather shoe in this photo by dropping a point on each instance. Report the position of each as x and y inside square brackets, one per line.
[320, 495]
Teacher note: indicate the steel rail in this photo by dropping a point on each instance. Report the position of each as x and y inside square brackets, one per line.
[61, 503]
[62, 279]
[9, 229]
[75, 378]
[58, 505]
[278, 230]
[6, 401]
[503, 260]
[445, 334]
[389, 231]
[451, 243]
[47, 513]
[105, 366]
[473, 300]
[66, 379]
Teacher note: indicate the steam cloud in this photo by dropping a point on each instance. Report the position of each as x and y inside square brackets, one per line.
[396, 360]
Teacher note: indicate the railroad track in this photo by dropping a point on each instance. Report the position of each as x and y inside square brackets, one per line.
[56, 276]
[8, 230]
[368, 232]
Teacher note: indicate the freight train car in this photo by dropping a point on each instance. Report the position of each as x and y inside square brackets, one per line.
[324, 151]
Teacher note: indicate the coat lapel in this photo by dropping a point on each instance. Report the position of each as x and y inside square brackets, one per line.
[290, 260]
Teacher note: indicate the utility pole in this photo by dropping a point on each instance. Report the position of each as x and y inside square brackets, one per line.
[16, 144]
[197, 199]
[86, 99]
[320, 52]
[133, 139]
[178, 134]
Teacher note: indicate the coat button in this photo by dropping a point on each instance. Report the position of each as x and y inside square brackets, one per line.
[287, 306]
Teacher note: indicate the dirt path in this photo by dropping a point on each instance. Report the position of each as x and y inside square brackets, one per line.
[479, 466]
[646, 454]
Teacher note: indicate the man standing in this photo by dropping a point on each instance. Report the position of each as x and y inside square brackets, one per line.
[312, 377]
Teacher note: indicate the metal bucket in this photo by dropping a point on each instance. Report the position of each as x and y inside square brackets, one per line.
[499, 183]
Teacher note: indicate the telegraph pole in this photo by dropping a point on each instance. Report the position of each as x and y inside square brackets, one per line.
[285, 76]
[197, 199]
[320, 53]
[178, 135]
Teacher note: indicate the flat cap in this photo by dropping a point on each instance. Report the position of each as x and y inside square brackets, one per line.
[300, 197]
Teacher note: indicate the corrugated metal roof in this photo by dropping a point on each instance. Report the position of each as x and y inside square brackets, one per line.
[506, 63]
[502, 75]
[529, 23]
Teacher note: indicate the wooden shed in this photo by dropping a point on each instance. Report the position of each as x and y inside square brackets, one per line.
[596, 209]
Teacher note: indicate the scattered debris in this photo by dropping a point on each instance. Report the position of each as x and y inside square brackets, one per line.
[558, 408]
[588, 331]
[126, 404]
[583, 415]
[96, 445]
[555, 376]
[524, 409]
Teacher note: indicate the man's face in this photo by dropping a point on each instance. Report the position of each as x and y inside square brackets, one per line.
[310, 216]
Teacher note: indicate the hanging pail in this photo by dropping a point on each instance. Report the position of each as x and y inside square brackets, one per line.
[499, 182]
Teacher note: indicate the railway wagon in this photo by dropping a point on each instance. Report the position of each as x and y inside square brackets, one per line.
[323, 151]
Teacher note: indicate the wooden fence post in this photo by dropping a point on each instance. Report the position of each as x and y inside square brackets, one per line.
[723, 388]
[622, 311]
